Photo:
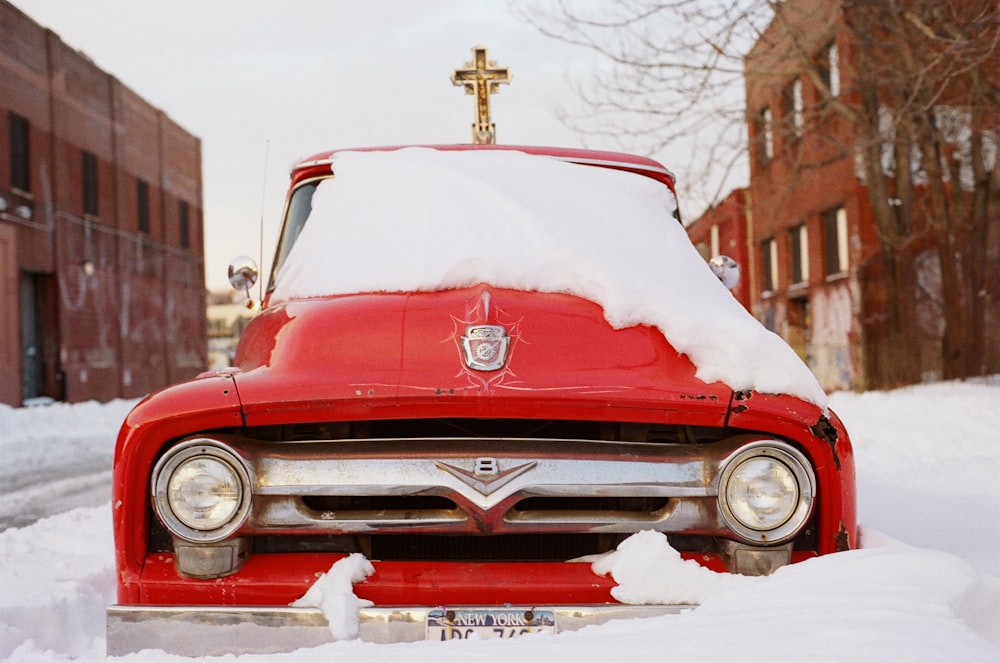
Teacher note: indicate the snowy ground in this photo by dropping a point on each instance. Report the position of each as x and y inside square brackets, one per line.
[925, 587]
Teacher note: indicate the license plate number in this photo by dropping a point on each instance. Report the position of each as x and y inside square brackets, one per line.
[487, 623]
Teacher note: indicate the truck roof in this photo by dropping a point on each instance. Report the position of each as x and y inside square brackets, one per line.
[320, 162]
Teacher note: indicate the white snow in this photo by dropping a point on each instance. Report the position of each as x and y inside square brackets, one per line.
[333, 593]
[924, 587]
[36, 482]
[649, 572]
[423, 219]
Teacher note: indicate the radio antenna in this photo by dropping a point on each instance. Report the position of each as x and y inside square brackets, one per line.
[263, 195]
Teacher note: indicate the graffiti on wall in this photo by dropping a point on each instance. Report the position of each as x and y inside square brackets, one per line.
[832, 353]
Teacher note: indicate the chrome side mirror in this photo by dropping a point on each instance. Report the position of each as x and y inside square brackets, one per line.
[243, 275]
[726, 269]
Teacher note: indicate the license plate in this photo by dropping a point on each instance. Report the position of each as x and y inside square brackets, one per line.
[487, 623]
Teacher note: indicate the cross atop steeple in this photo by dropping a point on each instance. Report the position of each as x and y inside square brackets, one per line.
[481, 77]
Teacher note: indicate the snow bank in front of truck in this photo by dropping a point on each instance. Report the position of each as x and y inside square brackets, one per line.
[419, 219]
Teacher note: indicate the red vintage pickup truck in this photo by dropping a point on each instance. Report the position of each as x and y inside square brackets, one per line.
[475, 368]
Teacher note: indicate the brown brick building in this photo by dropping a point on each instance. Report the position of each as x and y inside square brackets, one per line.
[101, 243]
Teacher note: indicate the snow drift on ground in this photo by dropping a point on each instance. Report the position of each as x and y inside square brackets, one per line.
[924, 587]
[540, 224]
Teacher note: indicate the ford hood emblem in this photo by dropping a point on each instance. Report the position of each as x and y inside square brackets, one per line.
[485, 347]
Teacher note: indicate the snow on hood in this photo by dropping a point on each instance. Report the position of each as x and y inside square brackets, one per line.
[419, 219]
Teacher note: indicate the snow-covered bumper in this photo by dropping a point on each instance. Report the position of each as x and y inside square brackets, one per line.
[209, 631]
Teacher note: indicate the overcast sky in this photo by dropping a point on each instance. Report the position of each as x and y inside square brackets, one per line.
[256, 78]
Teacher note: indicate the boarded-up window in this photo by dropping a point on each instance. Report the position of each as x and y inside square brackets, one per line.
[798, 244]
[184, 224]
[794, 108]
[769, 259]
[20, 153]
[765, 135]
[89, 183]
[142, 204]
[829, 69]
[835, 241]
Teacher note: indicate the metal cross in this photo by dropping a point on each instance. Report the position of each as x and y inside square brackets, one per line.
[482, 78]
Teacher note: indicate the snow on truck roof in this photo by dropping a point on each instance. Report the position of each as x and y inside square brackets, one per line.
[426, 219]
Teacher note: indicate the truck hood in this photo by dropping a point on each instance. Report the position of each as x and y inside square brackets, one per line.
[427, 354]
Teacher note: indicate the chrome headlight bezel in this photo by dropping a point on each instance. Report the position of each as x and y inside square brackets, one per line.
[165, 500]
[791, 465]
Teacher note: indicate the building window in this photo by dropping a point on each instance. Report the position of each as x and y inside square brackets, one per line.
[769, 258]
[89, 183]
[765, 136]
[829, 69]
[794, 107]
[184, 224]
[20, 154]
[142, 203]
[835, 241]
[798, 244]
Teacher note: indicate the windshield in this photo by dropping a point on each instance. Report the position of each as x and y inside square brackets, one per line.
[299, 207]
[424, 219]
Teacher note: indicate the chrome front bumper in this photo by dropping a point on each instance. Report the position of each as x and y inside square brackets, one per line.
[214, 631]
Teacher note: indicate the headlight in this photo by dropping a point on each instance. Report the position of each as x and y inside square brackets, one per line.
[201, 491]
[766, 492]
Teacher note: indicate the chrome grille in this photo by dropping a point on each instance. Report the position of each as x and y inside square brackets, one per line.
[482, 486]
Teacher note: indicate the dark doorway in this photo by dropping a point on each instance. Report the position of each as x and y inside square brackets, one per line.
[39, 338]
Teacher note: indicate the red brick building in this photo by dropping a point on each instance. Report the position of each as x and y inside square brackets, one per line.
[723, 230]
[814, 269]
[812, 228]
[101, 254]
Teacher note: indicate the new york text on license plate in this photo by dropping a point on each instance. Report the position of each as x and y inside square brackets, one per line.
[483, 623]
